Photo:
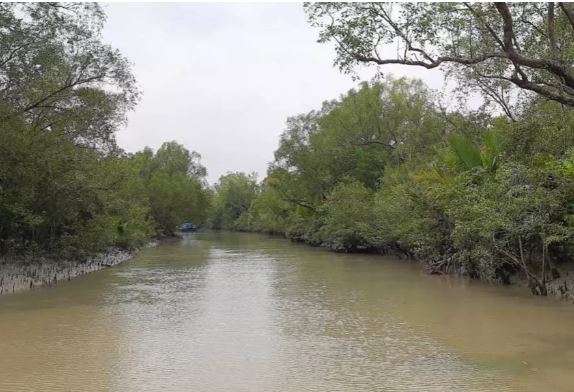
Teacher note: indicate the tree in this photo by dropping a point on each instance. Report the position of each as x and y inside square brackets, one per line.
[59, 199]
[348, 215]
[490, 45]
[174, 184]
[66, 189]
[234, 193]
[58, 75]
[358, 135]
[174, 158]
[269, 212]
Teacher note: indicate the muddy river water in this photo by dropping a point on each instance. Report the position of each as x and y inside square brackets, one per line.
[246, 312]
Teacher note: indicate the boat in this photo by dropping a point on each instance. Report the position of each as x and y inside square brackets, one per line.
[188, 226]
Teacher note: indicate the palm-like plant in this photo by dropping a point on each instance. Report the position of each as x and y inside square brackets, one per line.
[469, 155]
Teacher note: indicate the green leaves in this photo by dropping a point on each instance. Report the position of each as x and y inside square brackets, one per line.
[58, 75]
[233, 196]
[466, 39]
[467, 153]
[173, 181]
[491, 150]
[375, 170]
[471, 155]
[65, 187]
[347, 214]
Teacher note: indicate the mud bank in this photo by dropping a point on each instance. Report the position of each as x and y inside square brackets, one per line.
[22, 274]
[563, 287]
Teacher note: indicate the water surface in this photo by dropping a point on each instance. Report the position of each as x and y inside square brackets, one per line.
[245, 312]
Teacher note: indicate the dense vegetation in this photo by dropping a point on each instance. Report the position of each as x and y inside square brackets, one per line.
[66, 189]
[383, 169]
[386, 168]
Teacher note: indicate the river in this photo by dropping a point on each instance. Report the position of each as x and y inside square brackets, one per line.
[246, 312]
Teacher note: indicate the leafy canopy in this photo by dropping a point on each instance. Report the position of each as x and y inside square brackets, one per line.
[489, 46]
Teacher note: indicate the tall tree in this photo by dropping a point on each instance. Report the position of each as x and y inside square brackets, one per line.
[234, 193]
[175, 185]
[58, 74]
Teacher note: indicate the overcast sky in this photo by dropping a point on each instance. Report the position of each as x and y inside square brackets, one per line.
[222, 78]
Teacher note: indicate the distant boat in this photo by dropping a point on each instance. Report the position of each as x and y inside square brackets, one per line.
[187, 227]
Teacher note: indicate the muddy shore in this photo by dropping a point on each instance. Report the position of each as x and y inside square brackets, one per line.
[20, 274]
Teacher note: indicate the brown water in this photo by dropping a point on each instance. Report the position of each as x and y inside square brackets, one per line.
[243, 312]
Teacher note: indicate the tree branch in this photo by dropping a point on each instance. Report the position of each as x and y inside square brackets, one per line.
[568, 13]
[436, 62]
[486, 25]
[55, 93]
[552, 66]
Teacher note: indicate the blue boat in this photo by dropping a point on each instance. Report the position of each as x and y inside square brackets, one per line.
[187, 227]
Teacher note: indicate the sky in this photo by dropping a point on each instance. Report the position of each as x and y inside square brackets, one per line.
[221, 79]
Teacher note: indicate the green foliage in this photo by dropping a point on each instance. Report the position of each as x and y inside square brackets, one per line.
[61, 198]
[59, 75]
[407, 217]
[490, 47]
[467, 153]
[347, 215]
[66, 190]
[58, 198]
[234, 194]
[382, 169]
[269, 213]
[174, 185]
[547, 129]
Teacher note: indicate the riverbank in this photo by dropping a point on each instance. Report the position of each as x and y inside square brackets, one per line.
[561, 288]
[26, 273]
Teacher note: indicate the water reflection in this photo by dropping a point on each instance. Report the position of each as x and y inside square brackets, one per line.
[241, 312]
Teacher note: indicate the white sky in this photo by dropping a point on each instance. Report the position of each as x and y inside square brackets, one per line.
[221, 79]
